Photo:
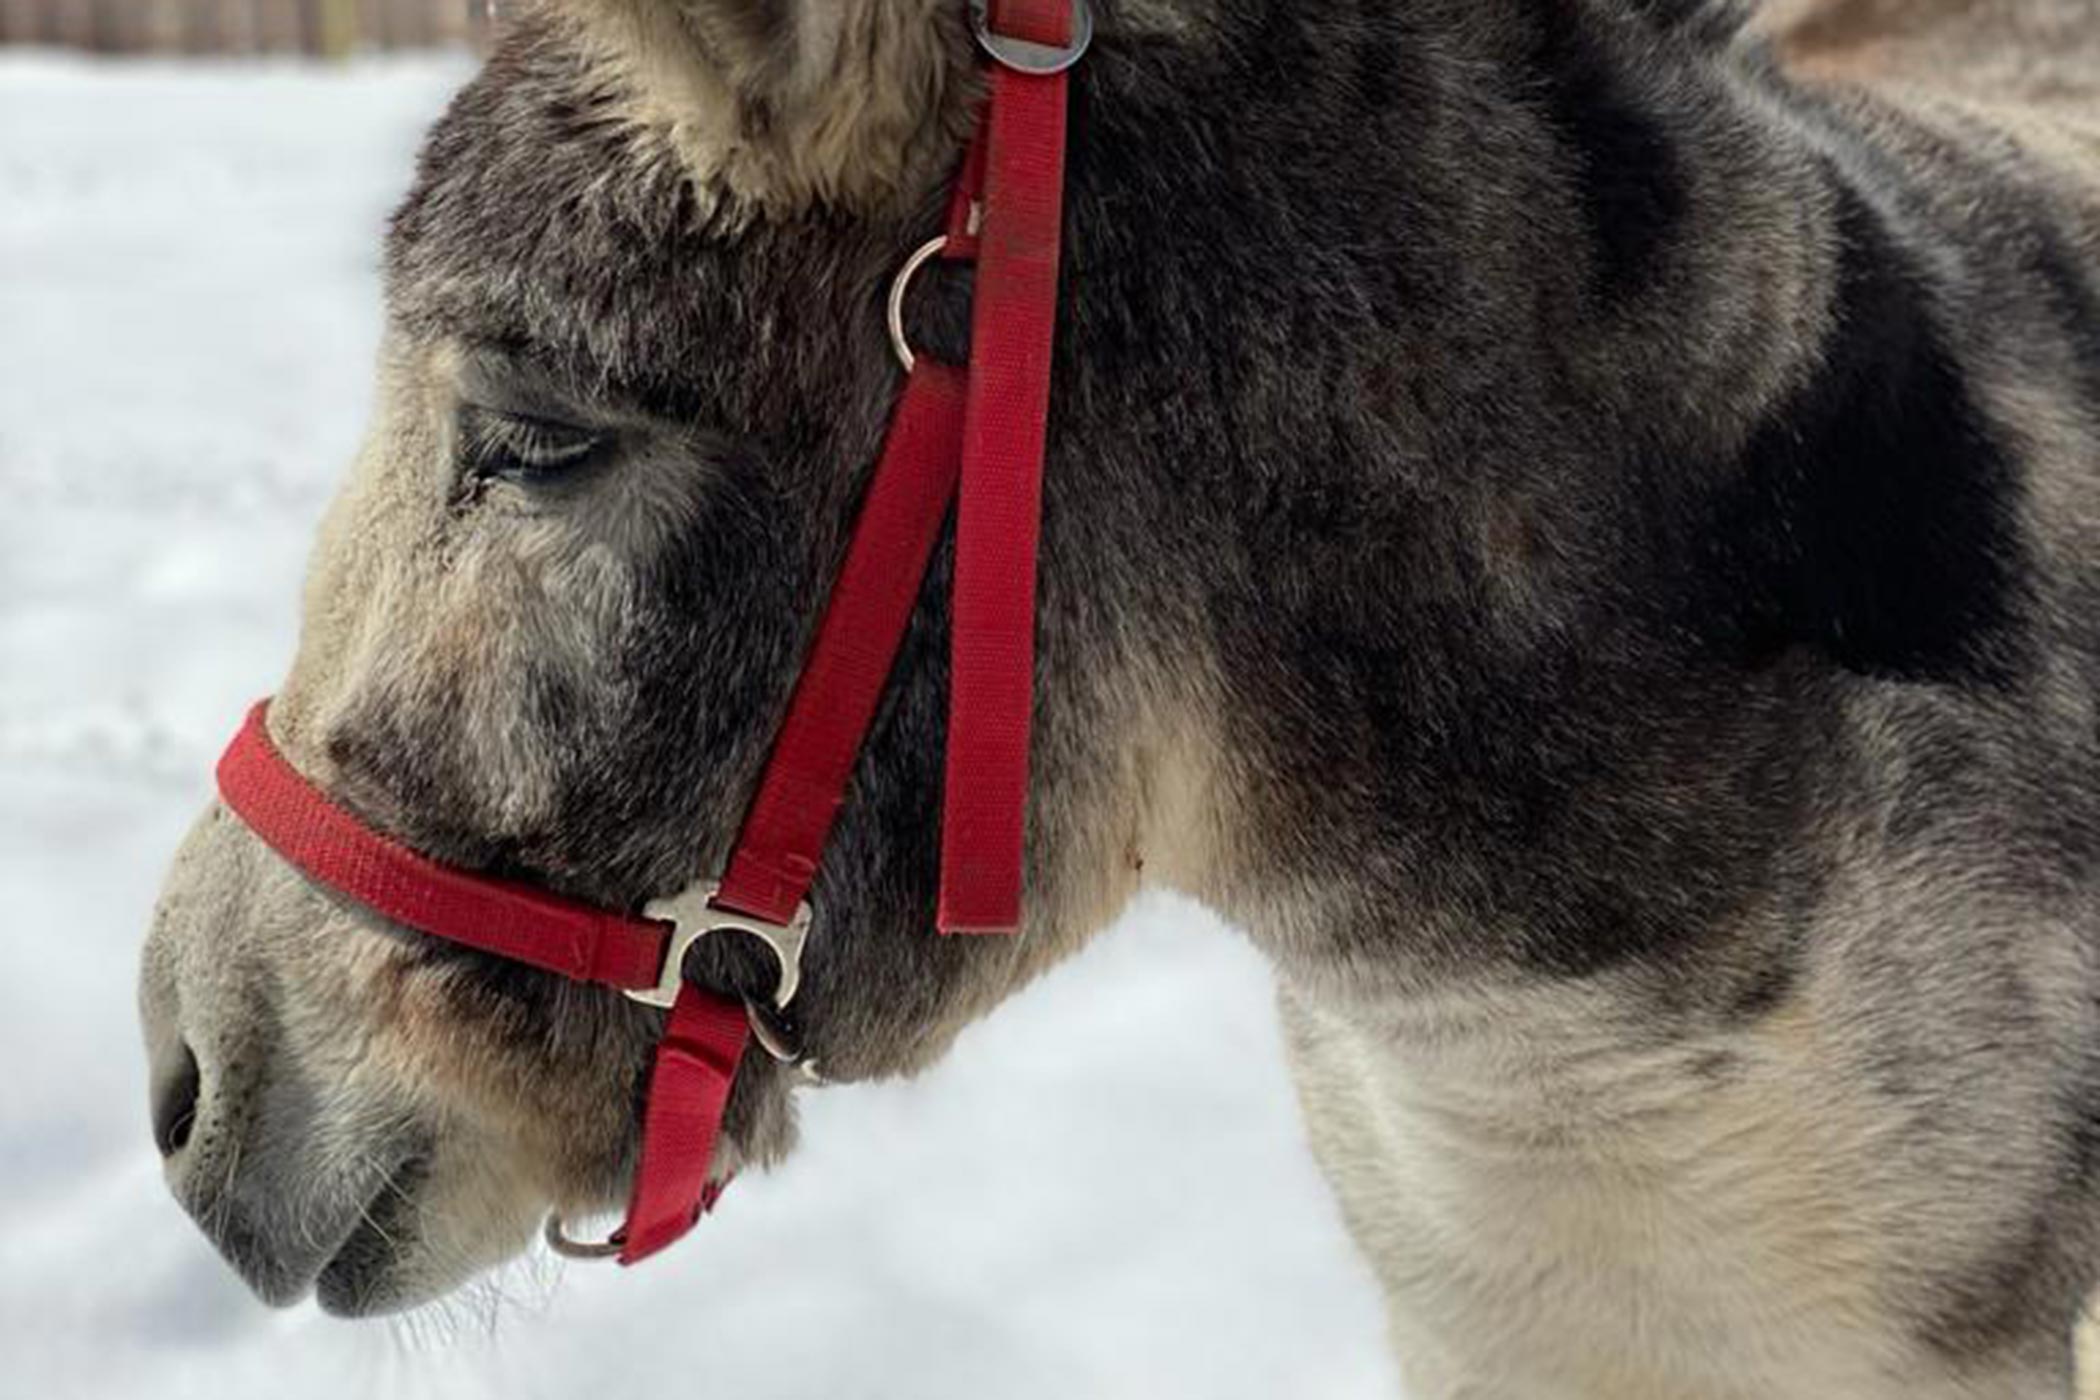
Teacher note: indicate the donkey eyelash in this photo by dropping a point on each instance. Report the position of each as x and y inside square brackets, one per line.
[518, 447]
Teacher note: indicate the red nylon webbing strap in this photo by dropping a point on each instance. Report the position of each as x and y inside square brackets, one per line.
[502, 917]
[998, 519]
[697, 1059]
[688, 1090]
[1045, 22]
[849, 663]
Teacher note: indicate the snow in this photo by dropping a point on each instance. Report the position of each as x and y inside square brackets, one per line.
[1104, 1192]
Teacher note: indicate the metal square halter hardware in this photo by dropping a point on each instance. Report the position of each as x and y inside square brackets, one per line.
[1023, 56]
[693, 915]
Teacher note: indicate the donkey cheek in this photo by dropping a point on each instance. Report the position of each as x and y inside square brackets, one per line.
[490, 1067]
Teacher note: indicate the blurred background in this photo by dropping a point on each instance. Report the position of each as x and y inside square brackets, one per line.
[1104, 1192]
[319, 28]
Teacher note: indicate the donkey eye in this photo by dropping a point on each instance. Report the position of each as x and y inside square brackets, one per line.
[518, 447]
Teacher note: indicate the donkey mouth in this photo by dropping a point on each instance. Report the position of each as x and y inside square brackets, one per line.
[364, 1276]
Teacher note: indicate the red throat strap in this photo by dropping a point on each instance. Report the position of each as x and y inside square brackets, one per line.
[688, 1095]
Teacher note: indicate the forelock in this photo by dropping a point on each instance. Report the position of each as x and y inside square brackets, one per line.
[543, 216]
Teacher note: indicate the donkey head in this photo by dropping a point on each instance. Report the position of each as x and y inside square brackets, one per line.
[634, 376]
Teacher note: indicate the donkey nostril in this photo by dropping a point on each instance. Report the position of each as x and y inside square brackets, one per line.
[175, 1104]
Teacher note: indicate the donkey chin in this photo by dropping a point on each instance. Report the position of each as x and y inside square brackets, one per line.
[345, 1110]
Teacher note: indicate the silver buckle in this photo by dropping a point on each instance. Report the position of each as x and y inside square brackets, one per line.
[692, 916]
[1022, 56]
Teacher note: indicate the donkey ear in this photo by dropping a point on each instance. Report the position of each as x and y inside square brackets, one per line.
[788, 101]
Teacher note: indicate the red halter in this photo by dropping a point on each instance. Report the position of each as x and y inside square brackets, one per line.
[977, 437]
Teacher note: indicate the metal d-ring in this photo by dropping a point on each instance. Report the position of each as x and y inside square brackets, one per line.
[569, 1247]
[899, 286]
[1024, 56]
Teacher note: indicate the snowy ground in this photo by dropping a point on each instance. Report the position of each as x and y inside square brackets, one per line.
[1104, 1193]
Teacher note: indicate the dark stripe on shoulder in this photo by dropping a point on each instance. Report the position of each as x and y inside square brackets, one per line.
[1876, 511]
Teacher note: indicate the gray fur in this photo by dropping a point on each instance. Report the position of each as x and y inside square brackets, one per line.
[1579, 539]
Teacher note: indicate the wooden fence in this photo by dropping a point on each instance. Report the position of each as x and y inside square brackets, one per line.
[325, 27]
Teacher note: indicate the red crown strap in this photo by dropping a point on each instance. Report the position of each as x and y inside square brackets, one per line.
[998, 520]
[1045, 22]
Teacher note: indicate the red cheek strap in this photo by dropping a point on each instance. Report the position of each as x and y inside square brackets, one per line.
[769, 875]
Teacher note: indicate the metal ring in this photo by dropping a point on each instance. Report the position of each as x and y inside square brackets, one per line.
[1024, 56]
[569, 1247]
[901, 284]
[782, 1041]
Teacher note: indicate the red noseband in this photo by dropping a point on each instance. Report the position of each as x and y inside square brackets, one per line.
[975, 439]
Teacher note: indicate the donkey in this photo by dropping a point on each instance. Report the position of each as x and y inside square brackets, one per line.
[1580, 536]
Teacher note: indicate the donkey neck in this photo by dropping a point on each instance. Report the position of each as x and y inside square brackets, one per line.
[1395, 339]
[1515, 429]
